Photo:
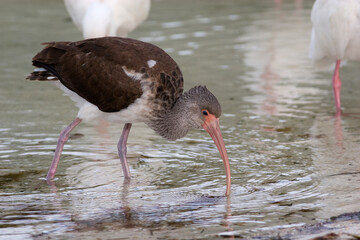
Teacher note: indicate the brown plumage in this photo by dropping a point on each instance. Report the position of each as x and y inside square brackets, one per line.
[128, 81]
[94, 70]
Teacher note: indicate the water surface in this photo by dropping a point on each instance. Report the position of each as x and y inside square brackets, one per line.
[292, 162]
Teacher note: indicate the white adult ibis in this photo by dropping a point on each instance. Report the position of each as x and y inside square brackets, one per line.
[335, 37]
[128, 81]
[100, 18]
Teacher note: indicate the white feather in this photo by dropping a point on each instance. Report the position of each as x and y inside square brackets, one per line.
[151, 63]
[98, 18]
[39, 70]
[135, 112]
[97, 21]
[132, 74]
[336, 31]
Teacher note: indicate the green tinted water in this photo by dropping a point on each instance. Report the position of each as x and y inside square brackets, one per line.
[292, 163]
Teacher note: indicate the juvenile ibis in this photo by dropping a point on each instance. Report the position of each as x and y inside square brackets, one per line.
[128, 81]
[100, 18]
[335, 37]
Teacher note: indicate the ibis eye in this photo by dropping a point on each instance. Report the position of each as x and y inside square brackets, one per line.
[205, 113]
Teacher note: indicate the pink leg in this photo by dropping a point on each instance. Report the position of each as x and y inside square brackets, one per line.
[122, 150]
[64, 136]
[337, 88]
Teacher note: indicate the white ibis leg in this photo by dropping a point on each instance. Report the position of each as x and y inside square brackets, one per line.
[64, 136]
[122, 150]
[337, 87]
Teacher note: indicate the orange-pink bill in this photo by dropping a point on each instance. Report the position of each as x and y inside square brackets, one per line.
[212, 126]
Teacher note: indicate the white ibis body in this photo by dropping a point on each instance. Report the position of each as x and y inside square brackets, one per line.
[335, 37]
[100, 18]
[128, 81]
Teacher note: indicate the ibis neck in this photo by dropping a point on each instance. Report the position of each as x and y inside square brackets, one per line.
[175, 123]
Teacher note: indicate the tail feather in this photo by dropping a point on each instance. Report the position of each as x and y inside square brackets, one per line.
[41, 74]
[45, 60]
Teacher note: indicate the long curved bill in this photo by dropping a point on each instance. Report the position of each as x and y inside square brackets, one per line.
[212, 126]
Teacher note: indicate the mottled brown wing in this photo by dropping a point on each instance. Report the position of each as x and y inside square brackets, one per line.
[165, 77]
[94, 69]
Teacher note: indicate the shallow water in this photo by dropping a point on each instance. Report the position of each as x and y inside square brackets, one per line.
[292, 162]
